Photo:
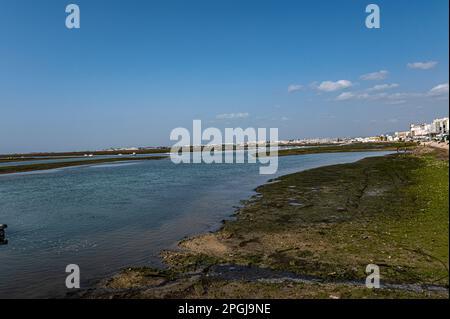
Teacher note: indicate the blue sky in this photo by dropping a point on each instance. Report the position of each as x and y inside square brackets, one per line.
[138, 69]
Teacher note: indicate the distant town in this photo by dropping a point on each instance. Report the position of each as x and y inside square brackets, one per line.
[437, 130]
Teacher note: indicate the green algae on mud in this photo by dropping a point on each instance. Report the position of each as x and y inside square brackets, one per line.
[47, 166]
[390, 211]
[24, 159]
[328, 223]
[354, 147]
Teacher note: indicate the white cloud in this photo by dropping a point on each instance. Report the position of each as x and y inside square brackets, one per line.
[422, 65]
[229, 116]
[330, 86]
[439, 90]
[383, 87]
[375, 76]
[402, 96]
[294, 88]
[395, 98]
[354, 96]
[345, 96]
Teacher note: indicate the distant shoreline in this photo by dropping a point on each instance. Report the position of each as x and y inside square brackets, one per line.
[81, 153]
[294, 149]
[355, 147]
[47, 166]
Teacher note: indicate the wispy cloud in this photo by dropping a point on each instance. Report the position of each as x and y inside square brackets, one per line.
[294, 88]
[393, 98]
[405, 95]
[364, 96]
[422, 65]
[383, 87]
[330, 86]
[375, 76]
[346, 96]
[439, 90]
[230, 116]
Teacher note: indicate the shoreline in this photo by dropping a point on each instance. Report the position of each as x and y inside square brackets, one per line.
[193, 265]
[36, 155]
[48, 166]
[354, 147]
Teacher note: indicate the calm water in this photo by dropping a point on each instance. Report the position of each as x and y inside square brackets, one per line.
[110, 216]
[72, 159]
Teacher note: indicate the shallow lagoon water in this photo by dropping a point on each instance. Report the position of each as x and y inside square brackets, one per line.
[75, 159]
[106, 217]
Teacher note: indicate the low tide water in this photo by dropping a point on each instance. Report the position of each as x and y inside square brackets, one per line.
[109, 216]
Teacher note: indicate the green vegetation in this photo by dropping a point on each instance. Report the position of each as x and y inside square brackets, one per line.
[24, 159]
[249, 290]
[46, 166]
[333, 221]
[355, 147]
[136, 284]
[329, 223]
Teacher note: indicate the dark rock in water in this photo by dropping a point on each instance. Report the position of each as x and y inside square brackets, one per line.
[3, 240]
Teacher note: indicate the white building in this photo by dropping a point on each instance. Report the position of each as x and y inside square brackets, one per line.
[437, 127]
[440, 126]
[402, 136]
[420, 129]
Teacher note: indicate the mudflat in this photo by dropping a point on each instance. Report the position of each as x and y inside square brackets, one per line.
[312, 234]
[47, 166]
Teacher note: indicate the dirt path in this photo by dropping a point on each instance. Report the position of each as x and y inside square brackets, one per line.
[443, 146]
